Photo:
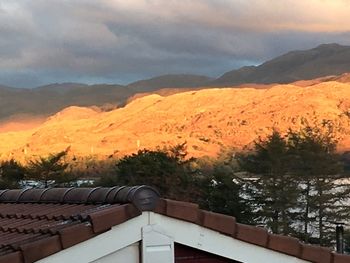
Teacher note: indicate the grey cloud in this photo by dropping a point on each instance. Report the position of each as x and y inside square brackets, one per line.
[119, 41]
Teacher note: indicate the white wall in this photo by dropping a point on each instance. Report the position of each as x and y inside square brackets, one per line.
[130, 254]
[159, 233]
[201, 238]
[117, 238]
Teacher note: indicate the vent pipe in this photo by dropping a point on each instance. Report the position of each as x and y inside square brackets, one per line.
[339, 231]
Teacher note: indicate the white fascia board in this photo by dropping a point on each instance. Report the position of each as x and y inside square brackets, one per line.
[201, 238]
[179, 231]
[118, 237]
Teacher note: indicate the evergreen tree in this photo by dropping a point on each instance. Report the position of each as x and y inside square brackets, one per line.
[273, 191]
[11, 173]
[347, 241]
[224, 194]
[319, 169]
[167, 170]
[51, 168]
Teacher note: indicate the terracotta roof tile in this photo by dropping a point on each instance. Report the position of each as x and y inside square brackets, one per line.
[55, 219]
[48, 246]
[143, 197]
[337, 258]
[251, 234]
[316, 254]
[221, 223]
[75, 234]
[180, 210]
[255, 235]
[105, 219]
[35, 223]
[285, 244]
[15, 257]
[13, 239]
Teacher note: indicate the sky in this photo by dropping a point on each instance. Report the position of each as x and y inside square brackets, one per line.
[120, 41]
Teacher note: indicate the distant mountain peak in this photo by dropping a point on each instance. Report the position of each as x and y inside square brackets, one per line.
[323, 60]
[171, 81]
[61, 85]
[330, 45]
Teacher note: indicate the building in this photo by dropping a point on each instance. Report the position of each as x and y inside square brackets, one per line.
[134, 225]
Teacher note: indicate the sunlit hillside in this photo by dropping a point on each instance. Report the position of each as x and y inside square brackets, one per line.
[208, 120]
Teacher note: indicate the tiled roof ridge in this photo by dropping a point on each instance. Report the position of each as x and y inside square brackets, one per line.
[259, 236]
[50, 241]
[143, 197]
[96, 215]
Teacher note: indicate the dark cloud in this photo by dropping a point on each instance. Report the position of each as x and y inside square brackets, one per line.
[120, 41]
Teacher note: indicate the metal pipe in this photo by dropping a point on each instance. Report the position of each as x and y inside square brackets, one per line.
[339, 230]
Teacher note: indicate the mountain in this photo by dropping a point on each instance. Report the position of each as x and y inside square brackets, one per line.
[237, 118]
[324, 60]
[343, 78]
[14, 101]
[49, 99]
[84, 95]
[61, 88]
[303, 68]
[170, 81]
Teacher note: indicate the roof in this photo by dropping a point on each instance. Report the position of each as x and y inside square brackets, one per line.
[56, 218]
[36, 223]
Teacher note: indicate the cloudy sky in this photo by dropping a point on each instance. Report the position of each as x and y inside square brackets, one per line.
[119, 41]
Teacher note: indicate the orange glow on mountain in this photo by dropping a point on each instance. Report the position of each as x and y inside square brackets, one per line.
[206, 119]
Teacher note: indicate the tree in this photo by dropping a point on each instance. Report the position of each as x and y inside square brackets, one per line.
[319, 169]
[298, 182]
[11, 173]
[272, 190]
[347, 241]
[47, 169]
[167, 170]
[222, 193]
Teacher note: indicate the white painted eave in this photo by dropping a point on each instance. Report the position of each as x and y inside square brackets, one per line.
[179, 231]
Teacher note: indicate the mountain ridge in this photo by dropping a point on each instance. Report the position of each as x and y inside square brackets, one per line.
[236, 119]
[323, 60]
[296, 66]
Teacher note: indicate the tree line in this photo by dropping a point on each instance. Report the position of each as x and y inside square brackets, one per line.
[299, 186]
[293, 183]
[48, 171]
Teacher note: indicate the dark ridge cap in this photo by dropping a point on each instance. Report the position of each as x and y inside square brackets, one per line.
[143, 197]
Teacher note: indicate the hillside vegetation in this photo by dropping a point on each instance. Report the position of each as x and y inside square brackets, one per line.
[208, 120]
